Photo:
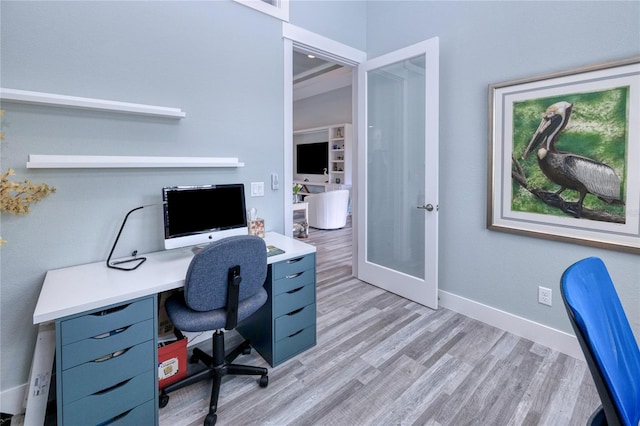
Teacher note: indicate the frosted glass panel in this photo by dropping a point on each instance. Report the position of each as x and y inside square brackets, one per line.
[395, 166]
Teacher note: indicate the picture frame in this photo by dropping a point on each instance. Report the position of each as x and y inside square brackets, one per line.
[587, 189]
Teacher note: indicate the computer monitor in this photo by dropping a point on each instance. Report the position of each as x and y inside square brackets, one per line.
[201, 214]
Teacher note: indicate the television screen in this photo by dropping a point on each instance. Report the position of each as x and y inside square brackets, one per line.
[197, 214]
[312, 158]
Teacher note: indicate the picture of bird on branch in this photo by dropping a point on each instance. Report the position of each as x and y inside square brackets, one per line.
[573, 161]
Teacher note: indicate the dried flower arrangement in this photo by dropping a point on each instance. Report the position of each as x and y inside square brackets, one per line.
[17, 197]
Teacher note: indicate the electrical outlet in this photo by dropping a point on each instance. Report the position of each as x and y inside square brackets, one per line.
[544, 296]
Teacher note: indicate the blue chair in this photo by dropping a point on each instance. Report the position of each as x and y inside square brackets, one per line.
[606, 339]
[223, 286]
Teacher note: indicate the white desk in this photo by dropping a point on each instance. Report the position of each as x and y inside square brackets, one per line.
[77, 289]
[81, 298]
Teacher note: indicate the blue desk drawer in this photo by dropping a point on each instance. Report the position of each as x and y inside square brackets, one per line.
[295, 344]
[95, 376]
[293, 281]
[106, 321]
[122, 400]
[93, 348]
[289, 324]
[292, 266]
[294, 299]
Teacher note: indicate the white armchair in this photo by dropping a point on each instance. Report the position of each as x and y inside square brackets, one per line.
[328, 210]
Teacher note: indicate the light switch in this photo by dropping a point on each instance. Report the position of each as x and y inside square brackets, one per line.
[257, 189]
[275, 181]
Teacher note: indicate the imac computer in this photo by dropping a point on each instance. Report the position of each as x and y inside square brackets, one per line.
[201, 214]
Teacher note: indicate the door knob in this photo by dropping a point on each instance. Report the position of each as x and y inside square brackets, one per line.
[427, 207]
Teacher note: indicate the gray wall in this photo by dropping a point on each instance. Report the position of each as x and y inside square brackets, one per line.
[491, 42]
[177, 54]
[329, 108]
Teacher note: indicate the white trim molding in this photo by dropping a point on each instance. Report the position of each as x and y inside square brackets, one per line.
[539, 333]
[323, 47]
[118, 162]
[51, 99]
[276, 8]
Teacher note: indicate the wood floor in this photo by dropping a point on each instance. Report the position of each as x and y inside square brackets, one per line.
[383, 360]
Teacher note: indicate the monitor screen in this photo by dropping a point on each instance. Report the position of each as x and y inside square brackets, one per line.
[312, 158]
[200, 214]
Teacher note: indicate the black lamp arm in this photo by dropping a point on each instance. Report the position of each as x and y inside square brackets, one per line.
[140, 260]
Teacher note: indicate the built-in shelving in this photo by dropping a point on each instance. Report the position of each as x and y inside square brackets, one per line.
[339, 138]
[115, 162]
[51, 99]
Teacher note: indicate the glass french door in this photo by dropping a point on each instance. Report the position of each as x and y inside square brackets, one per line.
[398, 172]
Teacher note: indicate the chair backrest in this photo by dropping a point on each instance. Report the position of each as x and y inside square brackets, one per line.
[606, 338]
[328, 210]
[205, 287]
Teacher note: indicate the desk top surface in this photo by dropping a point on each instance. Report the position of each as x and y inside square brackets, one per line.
[76, 289]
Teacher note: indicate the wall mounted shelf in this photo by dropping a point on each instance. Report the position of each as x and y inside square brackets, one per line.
[40, 98]
[121, 162]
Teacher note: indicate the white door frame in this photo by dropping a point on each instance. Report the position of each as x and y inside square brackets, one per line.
[333, 51]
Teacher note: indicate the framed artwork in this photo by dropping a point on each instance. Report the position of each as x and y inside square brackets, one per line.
[564, 156]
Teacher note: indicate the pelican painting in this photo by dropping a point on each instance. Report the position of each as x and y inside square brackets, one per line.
[568, 170]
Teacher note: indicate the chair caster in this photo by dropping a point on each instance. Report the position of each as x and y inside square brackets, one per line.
[264, 381]
[164, 400]
[246, 351]
[211, 419]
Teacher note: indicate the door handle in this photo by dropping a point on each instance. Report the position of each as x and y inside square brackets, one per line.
[428, 207]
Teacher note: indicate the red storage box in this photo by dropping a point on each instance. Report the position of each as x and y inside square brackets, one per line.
[172, 362]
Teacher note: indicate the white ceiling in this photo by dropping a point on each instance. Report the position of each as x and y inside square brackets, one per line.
[313, 76]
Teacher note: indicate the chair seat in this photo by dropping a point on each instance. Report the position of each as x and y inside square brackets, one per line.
[186, 319]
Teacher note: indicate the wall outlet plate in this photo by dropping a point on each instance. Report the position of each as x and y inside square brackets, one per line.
[544, 296]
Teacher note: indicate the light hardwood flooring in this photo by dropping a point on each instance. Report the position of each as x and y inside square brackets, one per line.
[384, 360]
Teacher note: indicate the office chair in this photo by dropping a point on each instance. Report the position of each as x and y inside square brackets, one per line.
[606, 339]
[223, 286]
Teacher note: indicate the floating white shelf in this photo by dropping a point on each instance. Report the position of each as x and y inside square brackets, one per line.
[25, 96]
[115, 162]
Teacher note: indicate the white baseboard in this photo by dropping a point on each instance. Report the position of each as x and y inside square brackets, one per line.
[12, 400]
[538, 333]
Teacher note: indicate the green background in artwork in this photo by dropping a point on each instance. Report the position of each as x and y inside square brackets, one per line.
[597, 129]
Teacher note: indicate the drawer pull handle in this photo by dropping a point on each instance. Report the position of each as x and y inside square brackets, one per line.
[110, 388]
[297, 311]
[296, 333]
[118, 417]
[110, 333]
[295, 260]
[297, 274]
[295, 290]
[110, 356]
[110, 311]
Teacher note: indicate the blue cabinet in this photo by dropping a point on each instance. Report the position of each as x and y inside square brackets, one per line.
[104, 367]
[286, 325]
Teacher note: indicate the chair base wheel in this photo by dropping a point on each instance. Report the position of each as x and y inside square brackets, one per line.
[246, 351]
[211, 419]
[164, 400]
[264, 381]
